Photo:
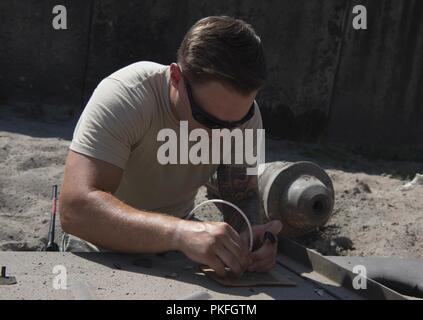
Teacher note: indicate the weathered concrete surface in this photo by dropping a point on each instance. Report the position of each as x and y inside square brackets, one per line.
[301, 41]
[38, 64]
[377, 105]
[136, 30]
[327, 81]
[113, 276]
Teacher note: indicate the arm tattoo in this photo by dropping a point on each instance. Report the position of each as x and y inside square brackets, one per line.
[235, 186]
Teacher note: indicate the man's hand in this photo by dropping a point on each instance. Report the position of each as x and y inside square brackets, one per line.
[215, 244]
[264, 258]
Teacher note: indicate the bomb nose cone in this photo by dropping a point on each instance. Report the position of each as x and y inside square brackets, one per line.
[307, 200]
[299, 194]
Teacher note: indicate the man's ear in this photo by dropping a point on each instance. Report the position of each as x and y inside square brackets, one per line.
[175, 74]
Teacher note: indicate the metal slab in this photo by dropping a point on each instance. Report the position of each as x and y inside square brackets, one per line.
[400, 274]
[339, 280]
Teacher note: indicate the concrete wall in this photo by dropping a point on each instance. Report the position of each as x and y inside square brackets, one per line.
[378, 95]
[37, 63]
[328, 82]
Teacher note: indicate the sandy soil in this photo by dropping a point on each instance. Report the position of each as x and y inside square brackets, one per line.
[372, 215]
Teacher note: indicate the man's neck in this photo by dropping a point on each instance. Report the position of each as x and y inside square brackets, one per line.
[172, 99]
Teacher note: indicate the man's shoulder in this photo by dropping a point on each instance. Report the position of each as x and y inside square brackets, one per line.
[136, 73]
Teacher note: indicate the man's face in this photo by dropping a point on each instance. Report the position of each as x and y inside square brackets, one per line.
[216, 99]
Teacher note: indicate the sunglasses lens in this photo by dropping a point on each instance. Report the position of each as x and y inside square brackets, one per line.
[208, 120]
[211, 124]
[208, 123]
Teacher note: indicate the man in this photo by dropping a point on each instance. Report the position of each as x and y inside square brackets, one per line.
[116, 195]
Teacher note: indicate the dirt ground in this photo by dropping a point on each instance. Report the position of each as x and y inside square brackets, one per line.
[373, 216]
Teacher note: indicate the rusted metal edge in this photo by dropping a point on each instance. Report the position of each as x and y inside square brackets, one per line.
[312, 261]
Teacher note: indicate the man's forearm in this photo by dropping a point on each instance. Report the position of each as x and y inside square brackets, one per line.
[241, 189]
[105, 221]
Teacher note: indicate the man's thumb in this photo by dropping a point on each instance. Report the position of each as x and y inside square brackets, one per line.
[274, 226]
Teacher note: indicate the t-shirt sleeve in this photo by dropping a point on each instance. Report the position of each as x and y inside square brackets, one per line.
[110, 123]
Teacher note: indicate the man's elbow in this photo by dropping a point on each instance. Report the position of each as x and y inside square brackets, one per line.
[71, 209]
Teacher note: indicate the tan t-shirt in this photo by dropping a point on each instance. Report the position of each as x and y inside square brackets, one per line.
[119, 125]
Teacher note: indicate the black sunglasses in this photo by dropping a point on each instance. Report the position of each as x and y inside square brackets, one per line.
[210, 121]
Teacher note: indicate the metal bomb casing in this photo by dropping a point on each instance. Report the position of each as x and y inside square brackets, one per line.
[299, 194]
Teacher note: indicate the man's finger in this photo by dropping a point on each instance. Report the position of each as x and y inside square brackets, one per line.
[229, 259]
[240, 252]
[265, 251]
[268, 236]
[274, 227]
[217, 265]
[234, 235]
[277, 227]
[245, 237]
